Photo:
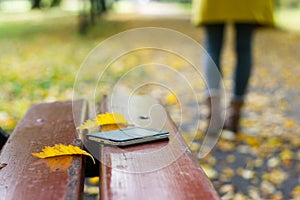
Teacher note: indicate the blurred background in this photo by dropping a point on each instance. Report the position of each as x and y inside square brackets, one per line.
[44, 42]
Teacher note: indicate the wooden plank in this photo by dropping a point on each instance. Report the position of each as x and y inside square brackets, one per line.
[158, 170]
[27, 177]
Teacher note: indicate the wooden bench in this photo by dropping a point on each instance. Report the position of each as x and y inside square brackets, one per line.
[158, 170]
[27, 177]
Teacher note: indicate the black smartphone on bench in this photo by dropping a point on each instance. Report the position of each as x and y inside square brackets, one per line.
[128, 136]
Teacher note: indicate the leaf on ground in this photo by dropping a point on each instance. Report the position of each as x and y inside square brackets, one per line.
[276, 176]
[252, 141]
[226, 175]
[210, 172]
[225, 145]
[246, 173]
[290, 123]
[286, 154]
[94, 180]
[61, 150]
[296, 192]
[286, 157]
[273, 162]
[267, 187]
[171, 99]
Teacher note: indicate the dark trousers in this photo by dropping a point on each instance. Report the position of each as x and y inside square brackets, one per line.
[214, 42]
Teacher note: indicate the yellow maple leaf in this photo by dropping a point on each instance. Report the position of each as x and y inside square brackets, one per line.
[253, 141]
[111, 127]
[61, 150]
[110, 118]
[55, 163]
[88, 124]
[107, 121]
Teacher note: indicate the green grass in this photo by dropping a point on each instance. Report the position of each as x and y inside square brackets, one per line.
[40, 57]
[38, 62]
[41, 53]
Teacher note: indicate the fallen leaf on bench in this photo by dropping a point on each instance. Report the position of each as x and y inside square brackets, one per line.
[107, 121]
[60, 163]
[111, 121]
[2, 165]
[111, 127]
[61, 150]
[111, 118]
[88, 124]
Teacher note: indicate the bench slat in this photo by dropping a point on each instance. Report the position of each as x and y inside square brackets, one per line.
[176, 173]
[27, 177]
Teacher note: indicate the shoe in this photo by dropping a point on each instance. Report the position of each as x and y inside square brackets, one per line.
[233, 116]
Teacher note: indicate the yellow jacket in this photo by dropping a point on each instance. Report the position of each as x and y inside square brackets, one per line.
[219, 11]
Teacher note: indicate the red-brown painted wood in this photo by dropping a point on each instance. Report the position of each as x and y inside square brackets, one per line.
[27, 177]
[158, 170]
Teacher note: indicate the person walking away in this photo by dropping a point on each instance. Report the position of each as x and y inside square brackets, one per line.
[245, 16]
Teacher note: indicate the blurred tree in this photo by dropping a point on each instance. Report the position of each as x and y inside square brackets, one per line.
[88, 17]
[55, 3]
[97, 7]
[176, 1]
[37, 4]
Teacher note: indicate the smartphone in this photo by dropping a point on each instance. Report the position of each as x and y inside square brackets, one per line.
[128, 136]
